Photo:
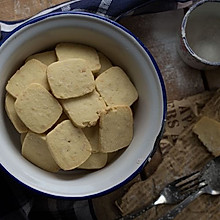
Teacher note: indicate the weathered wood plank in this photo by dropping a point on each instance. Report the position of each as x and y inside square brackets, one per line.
[159, 33]
[20, 9]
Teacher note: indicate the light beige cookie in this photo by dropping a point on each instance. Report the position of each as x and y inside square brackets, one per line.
[208, 131]
[73, 50]
[12, 114]
[115, 87]
[31, 72]
[105, 63]
[84, 111]
[35, 149]
[68, 145]
[70, 78]
[37, 108]
[95, 161]
[46, 58]
[115, 128]
[92, 134]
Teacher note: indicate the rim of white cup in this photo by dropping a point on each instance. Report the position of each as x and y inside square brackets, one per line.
[183, 33]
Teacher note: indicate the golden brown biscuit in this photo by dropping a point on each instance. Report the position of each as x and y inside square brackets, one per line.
[12, 114]
[84, 111]
[37, 108]
[70, 78]
[35, 149]
[116, 88]
[31, 72]
[68, 145]
[73, 50]
[115, 128]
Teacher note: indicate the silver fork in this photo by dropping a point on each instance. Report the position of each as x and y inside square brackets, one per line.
[172, 193]
[209, 184]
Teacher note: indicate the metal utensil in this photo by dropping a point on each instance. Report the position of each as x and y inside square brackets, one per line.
[209, 184]
[173, 193]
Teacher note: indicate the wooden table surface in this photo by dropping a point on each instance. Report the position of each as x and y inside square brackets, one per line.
[158, 32]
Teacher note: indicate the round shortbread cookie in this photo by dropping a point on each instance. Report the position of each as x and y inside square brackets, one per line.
[12, 114]
[70, 78]
[84, 111]
[32, 71]
[68, 145]
[116, 88]
[73, 50]
[115, 128]
[35, 149]
[37, 108]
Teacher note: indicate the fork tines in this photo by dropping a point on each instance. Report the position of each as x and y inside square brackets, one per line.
[188, 183]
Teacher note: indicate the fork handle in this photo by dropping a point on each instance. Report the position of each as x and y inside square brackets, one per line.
[135, 214]
[175, 211]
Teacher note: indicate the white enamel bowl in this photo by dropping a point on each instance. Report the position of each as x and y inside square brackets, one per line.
[124, 50]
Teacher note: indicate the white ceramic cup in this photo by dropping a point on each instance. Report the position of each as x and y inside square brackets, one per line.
[124, 50]
[199, 37]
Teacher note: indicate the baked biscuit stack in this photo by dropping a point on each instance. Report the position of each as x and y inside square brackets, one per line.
[72, 108]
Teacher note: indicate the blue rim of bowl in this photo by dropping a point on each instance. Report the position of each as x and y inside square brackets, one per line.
[163, 90]
[183, 32]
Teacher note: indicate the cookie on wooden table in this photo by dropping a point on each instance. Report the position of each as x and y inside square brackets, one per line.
[70, 78]
[37, 108]
[84, 111]
[115, 128]
[116, 88]
[35, 149]
[95, 161]
[32, 71]
[46, 57]
[12, 114]
[73, 50]
[68, 145]
[208, 131]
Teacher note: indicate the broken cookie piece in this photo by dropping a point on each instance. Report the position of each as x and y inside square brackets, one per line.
[208, 131]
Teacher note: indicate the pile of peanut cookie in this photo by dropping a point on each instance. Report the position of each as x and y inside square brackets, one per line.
[71, 106]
